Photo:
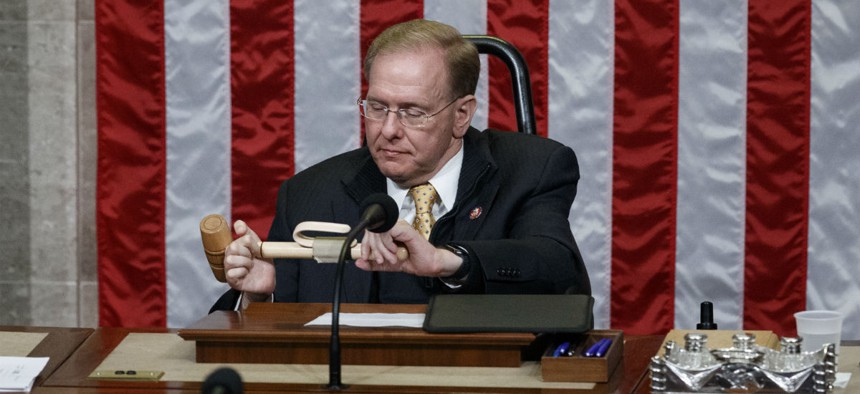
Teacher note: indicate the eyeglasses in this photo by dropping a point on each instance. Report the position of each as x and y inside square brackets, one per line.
[409, 117]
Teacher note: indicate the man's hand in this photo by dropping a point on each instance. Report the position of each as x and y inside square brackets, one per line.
[253, 276]
[379, 253]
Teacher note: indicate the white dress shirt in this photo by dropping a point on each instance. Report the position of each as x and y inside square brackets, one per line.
[445, 182]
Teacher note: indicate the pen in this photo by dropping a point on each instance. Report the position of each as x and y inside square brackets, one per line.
[561, 349]
[601, 351]
[592, 351]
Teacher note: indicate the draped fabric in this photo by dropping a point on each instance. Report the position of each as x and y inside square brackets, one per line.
[717, 141]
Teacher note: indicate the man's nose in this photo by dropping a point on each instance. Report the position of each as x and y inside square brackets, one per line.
[391, 126]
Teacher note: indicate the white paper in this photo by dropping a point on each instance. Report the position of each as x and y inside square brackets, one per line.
[415, 320]
[19, 373]
[842, 379]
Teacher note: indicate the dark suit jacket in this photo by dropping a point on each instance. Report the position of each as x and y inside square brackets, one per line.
[513, 200]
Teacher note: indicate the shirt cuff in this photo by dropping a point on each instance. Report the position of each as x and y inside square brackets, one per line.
[240, 304]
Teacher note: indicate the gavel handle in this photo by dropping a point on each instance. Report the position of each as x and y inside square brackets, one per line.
[292, 250]
[216, 236]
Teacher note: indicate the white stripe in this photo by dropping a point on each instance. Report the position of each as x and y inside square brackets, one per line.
[834, 211]
[197, 54]
[327, 81]
[581, 61]
[469, 17]
[711, 161]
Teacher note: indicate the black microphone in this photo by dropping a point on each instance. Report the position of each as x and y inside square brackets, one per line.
[379, 212]
[223, 381]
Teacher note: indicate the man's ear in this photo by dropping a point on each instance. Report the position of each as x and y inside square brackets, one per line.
[465, 110]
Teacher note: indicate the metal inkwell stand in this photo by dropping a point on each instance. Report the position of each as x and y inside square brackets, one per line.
[745, 367]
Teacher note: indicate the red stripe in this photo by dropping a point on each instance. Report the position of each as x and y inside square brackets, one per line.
[262, 74]
[525, 24]
[778, 91]
[130, 191]
[378, 15]
[644, 166]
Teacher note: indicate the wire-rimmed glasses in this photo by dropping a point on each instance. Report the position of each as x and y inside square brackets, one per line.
[409, 117]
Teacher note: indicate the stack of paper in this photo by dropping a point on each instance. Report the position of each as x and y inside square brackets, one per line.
[18, 373]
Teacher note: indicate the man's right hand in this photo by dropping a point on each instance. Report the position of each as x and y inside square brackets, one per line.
[245, 272]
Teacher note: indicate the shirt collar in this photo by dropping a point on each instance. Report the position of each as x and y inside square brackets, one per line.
[445, 182]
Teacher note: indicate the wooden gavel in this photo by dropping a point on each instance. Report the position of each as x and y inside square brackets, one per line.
[216, 236]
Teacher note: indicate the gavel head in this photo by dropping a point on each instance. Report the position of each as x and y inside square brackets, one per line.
[216, 236]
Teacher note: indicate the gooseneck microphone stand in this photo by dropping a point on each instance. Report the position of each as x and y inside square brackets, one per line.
[334, 376]
[379, 213]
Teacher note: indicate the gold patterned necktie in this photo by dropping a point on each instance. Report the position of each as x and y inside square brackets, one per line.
[424, 196]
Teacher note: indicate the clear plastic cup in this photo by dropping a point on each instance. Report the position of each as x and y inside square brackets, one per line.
[818, 328]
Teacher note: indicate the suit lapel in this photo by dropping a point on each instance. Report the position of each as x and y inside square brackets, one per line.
[360, 182]
[477, 186]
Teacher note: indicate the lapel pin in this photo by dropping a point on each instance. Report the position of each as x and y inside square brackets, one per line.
[475, 213]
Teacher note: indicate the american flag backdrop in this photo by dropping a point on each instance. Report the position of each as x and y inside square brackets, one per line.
[717, 141]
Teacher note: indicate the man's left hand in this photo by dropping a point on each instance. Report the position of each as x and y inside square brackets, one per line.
[379, 252]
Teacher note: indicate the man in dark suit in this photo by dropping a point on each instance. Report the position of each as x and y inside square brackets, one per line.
[497, 210]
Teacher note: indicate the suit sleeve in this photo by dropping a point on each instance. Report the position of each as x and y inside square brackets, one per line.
[537, 252]
[286, 275]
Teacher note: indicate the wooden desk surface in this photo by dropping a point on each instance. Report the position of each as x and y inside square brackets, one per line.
[71, 377]
[75, 352]
[58, 345]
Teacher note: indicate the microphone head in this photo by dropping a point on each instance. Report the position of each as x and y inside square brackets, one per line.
[223, 381]
[380, 211]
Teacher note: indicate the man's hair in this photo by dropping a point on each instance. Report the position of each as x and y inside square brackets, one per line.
[461, 56]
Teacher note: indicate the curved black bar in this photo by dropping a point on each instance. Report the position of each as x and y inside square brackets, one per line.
[519, 76]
